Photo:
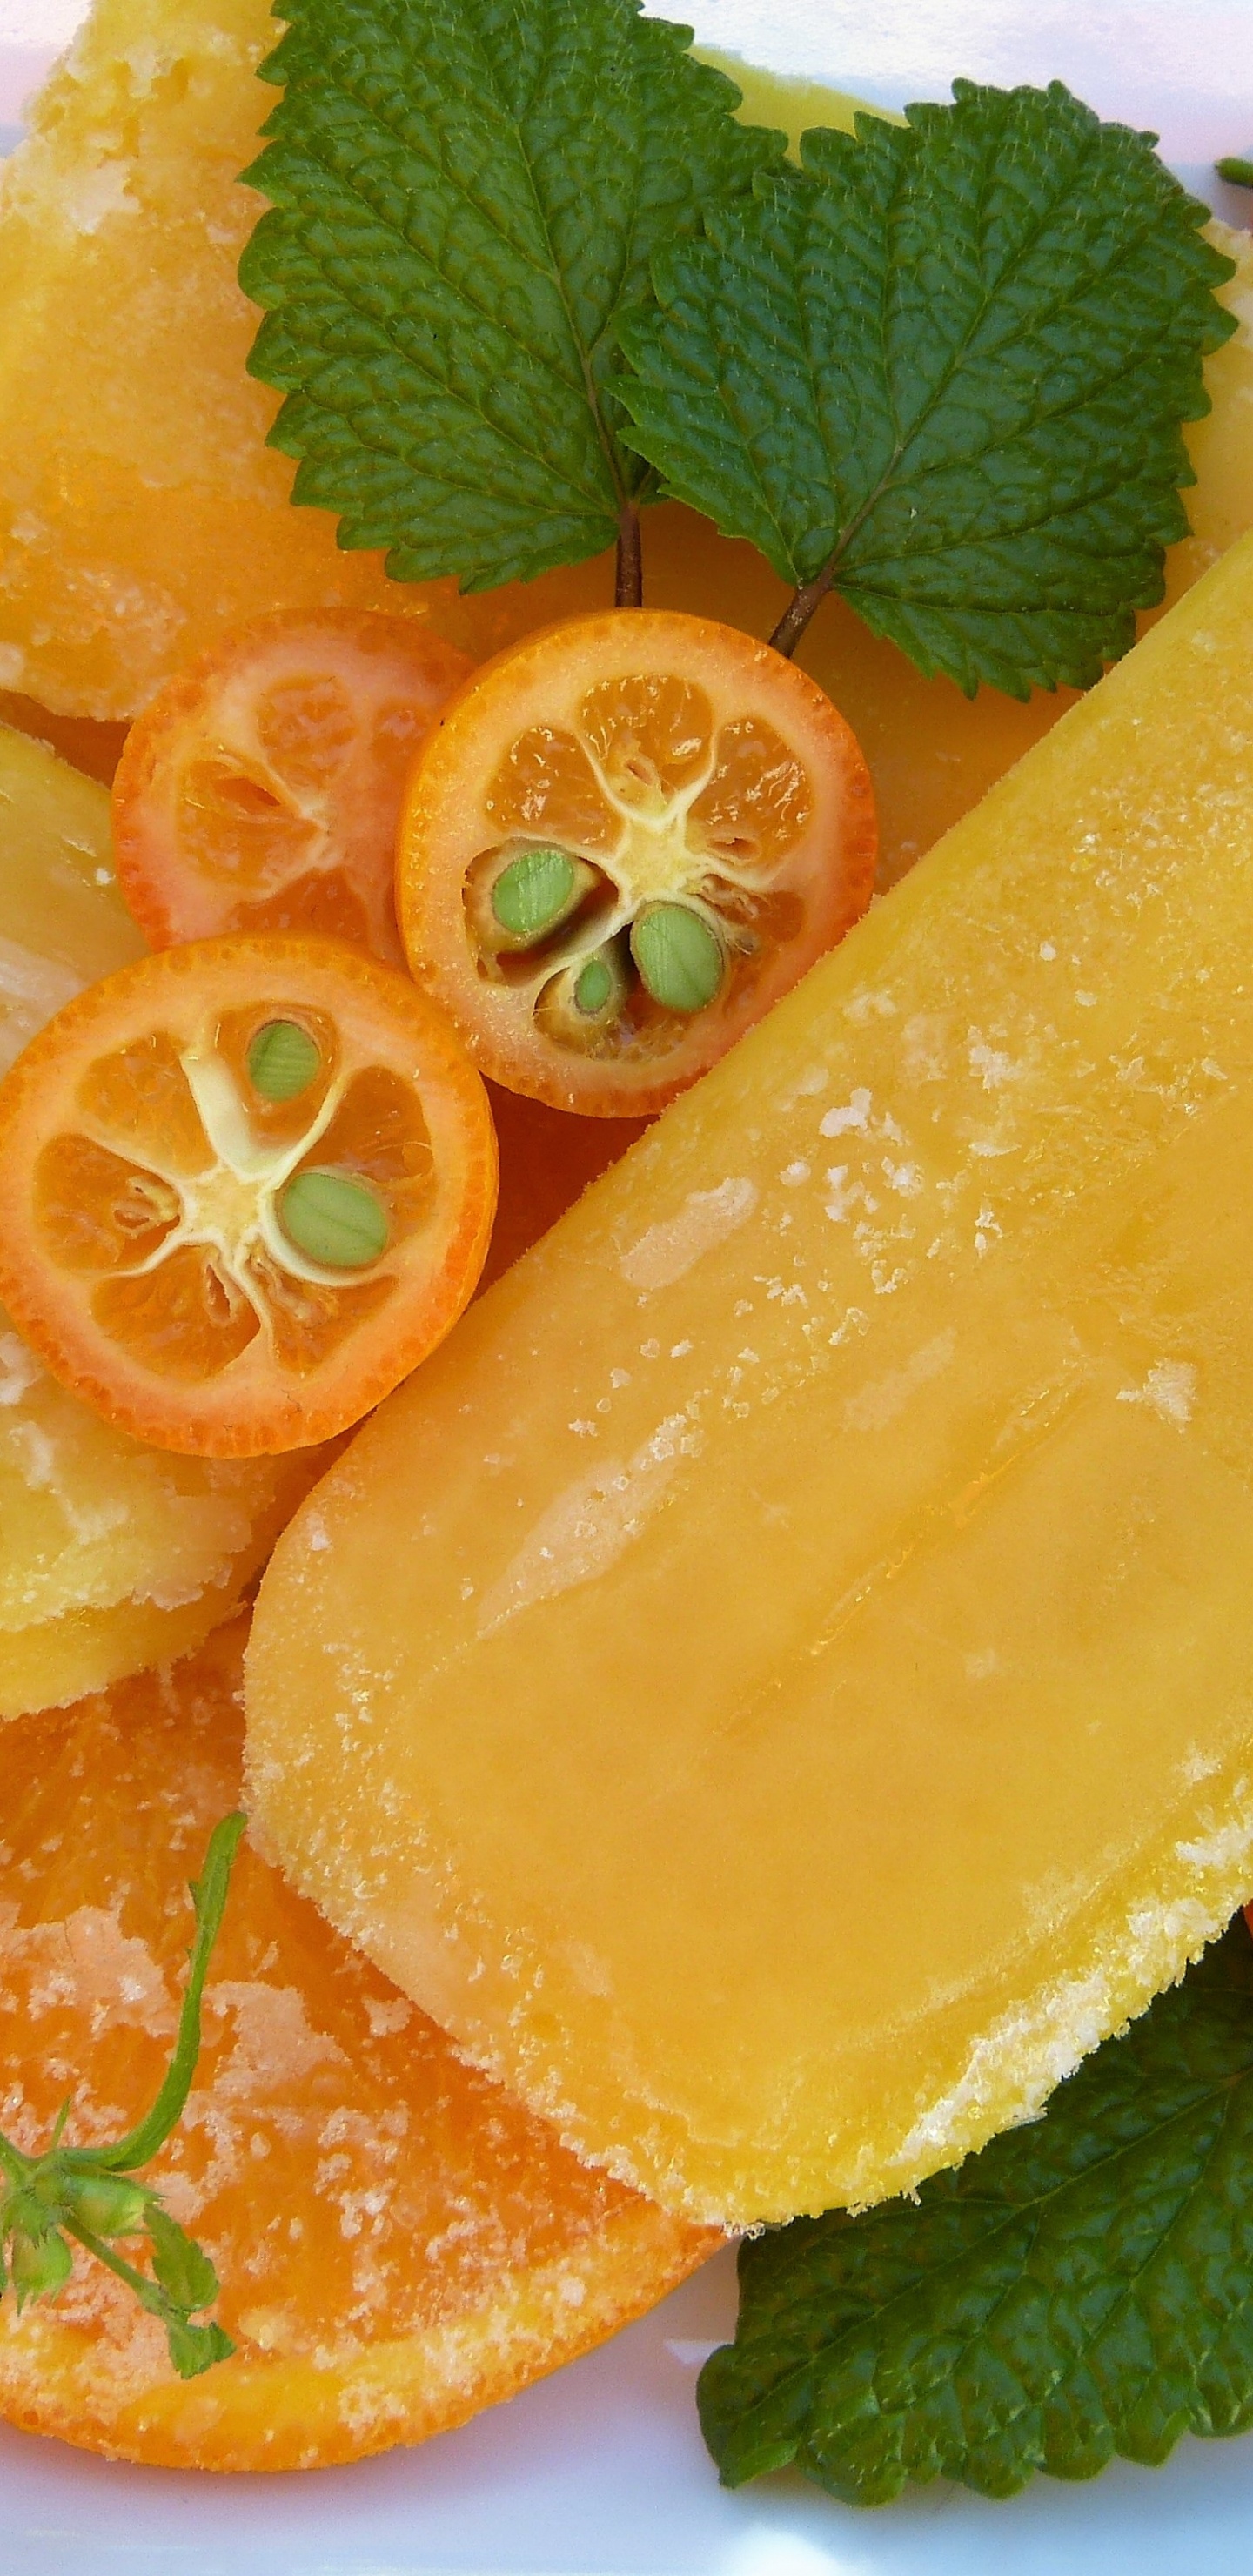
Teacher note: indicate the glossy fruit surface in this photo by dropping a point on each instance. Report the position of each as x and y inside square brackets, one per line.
[841, 1522]
[625, 838]
[245, 1186]
[261, 789]
[398, 2241]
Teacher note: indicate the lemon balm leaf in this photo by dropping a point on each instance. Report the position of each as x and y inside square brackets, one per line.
[465, 197]
[1080, 2288]
[942, 370]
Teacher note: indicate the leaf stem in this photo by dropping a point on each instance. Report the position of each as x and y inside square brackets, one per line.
[801, 606]
[208, 1894]
[629, 581]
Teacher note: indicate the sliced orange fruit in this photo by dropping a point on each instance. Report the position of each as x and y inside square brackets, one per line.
[261, 789]
[399, 2243]
[625, 838]
[245, 1187]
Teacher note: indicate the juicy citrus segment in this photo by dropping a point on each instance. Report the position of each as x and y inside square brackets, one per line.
[261, 788]
[627, 837]
[247, 1185]
[399, 2243]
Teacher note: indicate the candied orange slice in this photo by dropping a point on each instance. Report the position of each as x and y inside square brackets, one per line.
[261, 789]
[399, 2243]
[624, 840]
[245, 1187]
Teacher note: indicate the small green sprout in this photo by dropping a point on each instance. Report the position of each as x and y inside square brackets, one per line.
[1237, 170]
[82, 2193]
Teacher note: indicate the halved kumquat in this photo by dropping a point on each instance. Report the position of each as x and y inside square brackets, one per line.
[624, 839]
[261, 789]
[246, 1185]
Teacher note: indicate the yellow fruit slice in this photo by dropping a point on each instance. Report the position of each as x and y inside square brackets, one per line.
[132, 533]
[799, 1631]
[112, 1556]
[62, 920]
[399, 2243]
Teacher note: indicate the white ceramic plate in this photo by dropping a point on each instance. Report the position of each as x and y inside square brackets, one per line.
[601, 2471]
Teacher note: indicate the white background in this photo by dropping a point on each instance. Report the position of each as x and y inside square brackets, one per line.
[600, 2471]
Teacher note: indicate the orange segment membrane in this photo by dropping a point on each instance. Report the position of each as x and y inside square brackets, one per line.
[546, 784]
[378, 1133]
[758, 800]
[650, 734]
[186, 1319]
[142, 1093]
[96, 1211]
[306, 727]
[232, 827]
[306, 1321]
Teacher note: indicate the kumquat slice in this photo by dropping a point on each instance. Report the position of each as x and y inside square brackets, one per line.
[261, 789]
[624, 839]
[245, 1187]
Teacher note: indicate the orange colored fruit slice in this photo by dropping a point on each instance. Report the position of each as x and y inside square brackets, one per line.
[626, 837]
[245, 1187]
[261, 789]
[399, 2243]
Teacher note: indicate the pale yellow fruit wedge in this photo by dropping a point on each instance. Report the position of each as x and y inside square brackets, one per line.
[777, 1686]
[112, 1556]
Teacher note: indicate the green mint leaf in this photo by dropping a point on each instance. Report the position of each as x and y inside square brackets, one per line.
[1084, 2286]
[180, 2266]
[942, 369]
[1236, 170]
[465, 196]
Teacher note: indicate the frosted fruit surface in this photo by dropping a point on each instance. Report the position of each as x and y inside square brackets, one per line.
[112, 1555]
[398, 2242]
[141, 510]
[777, 1687]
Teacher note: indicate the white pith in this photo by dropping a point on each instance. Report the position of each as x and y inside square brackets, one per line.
[232, 1207]
[652, 862]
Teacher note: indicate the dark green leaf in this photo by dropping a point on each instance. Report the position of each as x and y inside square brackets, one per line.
[1082, 2287]
[1237, 171]
[944, 368]
[465, 197]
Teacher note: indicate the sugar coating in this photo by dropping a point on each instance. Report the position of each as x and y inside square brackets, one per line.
[398, 2241]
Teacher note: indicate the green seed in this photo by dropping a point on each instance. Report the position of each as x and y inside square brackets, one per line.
[533, 894]
[594, 987]
[334, 1221]
[282, 1060]
[678, 955]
